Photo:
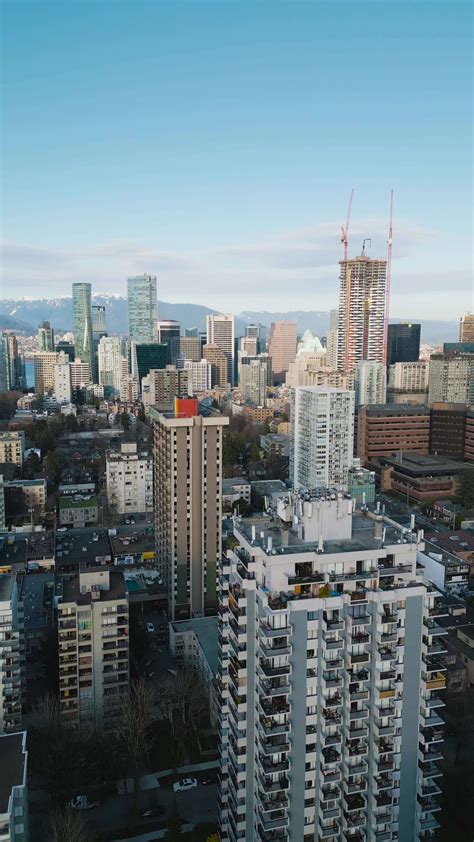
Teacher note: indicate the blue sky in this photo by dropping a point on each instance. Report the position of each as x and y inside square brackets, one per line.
[215, 144]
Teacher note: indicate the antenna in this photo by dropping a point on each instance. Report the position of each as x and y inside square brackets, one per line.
[367, 240]
[345, 229]
[388, 279]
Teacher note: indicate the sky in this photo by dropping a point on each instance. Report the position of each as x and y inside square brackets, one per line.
[215, 144]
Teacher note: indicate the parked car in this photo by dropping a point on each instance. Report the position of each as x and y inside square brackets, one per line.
[152, 813]
[81, 802]
[184, 784]
[150, 627]
[209, 779]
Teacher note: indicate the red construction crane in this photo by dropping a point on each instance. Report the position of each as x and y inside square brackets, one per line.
[345, 230]
[389, 274]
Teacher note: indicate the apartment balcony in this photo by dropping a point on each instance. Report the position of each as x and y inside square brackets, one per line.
[383, 782]
[332, 740]
[357, 750]
[331, 775]
[270, 747]
[429, 736]
[384, 799]
[358, 596]
[272, 728]
[359, 785]
[332, 717]
[428, 803]
[429, 791]
[276, 802]
[433, 629]
[428, 825]
[330, 757]
[280, 835]
[388, 637]
[434, 649]
[355, 802]
[384, 730]
[268, 689]
[274, 706]
[356, 732]
[333, 701]
[359, 658]
[275, 820]
[385, 764]
[387, 619]
[358, 769]
[271, 767]
[329, 813]
[360, 637]
[276, 649]
[269, 786]
[355, 819]
[270, 632]
[331, 681]
[332, 644]
[306, 578]
[334, 624]
[329, 793]
[360, 713]
[436, 681]
[330, 832]
[430, 704]
[272, 672]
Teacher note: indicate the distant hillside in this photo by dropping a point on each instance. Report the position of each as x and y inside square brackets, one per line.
[25, 315]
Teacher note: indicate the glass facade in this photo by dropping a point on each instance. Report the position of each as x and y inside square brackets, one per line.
[82, 323]
[150, 355]
[403, 343]
[142, 308]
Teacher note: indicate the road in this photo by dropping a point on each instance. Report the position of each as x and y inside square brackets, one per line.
[196, 805]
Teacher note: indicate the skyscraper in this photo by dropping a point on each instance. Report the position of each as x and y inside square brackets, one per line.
[221, 332]
[361, 315]
[321, 436]
[98, 331]
[169, 332]
[150, 355]
[188, 532]
[219, 364]
[45, 337]
[282, 348]
[82, 324]
[403, 343]
[255, 377]
[466, 328]
[113, 364]
[12, 363]
[451, 378]
[329, 678]
[370, 382]
[142, 308]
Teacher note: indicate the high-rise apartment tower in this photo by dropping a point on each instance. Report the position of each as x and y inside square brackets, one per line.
[142, 308]
[361, 319]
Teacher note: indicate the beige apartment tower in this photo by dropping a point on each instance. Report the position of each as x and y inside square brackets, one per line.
[361, 317]
[187, 458]
[466, 328]
[218, 360]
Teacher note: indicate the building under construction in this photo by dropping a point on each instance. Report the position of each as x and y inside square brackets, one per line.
[362, 316]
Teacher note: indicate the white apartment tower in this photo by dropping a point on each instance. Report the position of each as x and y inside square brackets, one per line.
[370, 382]
[451, 378]
[409, 377]
[255, 377]
[113, 365]
[321, 436]
[199, 374]
[11, 654]
[361, 319]
[62, 382]
[93, 637]
[221, 332]
[129, 480]
[329, 679]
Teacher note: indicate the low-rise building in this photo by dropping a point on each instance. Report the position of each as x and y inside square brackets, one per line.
[193, 643]
[271, 489]
[387, 429]
[93, 639]
[133, 547]
[448, 572]
[129, 480]
[14, 824]
[233, 490]
[12, 446]
[78, 510]
[420, 477]
[78, 547]
[275, 444]
[34, 493]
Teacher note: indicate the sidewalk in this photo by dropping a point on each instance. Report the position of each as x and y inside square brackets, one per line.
[155, 834]
[152, 781]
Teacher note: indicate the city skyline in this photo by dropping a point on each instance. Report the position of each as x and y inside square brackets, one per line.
[242, 177]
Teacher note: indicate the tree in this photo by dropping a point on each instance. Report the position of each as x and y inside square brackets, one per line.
[182, 702]
[68, 826]
[134, 732]
[32, 465]
[15, 505]
[173, 834]
[124, 420]
[466, 489]
[254, 453]
[53, 748]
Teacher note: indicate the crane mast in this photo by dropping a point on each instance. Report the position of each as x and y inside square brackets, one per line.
[345, 229]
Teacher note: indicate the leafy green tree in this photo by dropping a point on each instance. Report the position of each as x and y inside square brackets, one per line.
[254, 453]
[124, 420]
[466, 489]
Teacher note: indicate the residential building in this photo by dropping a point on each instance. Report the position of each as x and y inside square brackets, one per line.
[468, 437]
[93, 635]
[420, 477]
[67, 348]
[448, 573]
[12, 363]
[129, 480]
[384, 430]
[370, 381]
[466, 328]
[169, 334]
[199, 374]
[448, 429]
[235, 489]
[409, 378]
[219, 364]
[361, 485]
[275, 444]
[98, 331]
[12, 446]
[150, 355]
[403, 343]
[309, 370]
[188, 531]
[14, 823]
[221, 332]
[255, 375]
[78, 510]
[62, 382]
[80, 374]
[44, 362]
[193, 643]
[451, 378]
[82, 324]
[322, 436]
[190, 348]
[113, 364]
[2, 503]
[248, 346]
[256, 331]
[461, 641]
[282, 348]
[325, 706]
[161, 386]
[11, 655]
[361, 313]
[34, 494]
[45, 337]
[331, 339]
[142, 308]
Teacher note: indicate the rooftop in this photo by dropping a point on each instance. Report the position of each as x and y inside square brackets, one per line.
[417, 464]
[13, 550]
[460, 541]
[205, 629]
[445, 558]
[82, 545]
[72, 588]
[78, 502]
[231, 482]
[133, 541]
[265, 487]
[7, 581]
[41, 546]
[395, 409]
[37, 593]
[12, 767]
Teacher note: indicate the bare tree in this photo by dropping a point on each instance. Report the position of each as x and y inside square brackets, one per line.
[67, 826]
[53, 747]
[133, 731]
[182, 702]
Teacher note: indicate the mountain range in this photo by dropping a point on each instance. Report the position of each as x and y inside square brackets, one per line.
[24, 316]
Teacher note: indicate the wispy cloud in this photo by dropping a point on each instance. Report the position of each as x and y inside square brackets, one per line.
[300, 263]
